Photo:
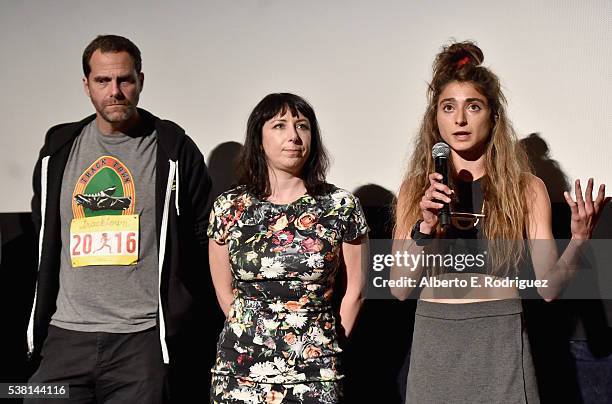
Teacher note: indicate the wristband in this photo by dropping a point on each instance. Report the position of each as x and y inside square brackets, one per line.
[421, 239]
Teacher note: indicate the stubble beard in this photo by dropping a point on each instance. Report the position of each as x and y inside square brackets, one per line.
[118, 116]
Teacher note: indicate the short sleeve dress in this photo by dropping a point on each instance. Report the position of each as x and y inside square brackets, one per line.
[281, 328]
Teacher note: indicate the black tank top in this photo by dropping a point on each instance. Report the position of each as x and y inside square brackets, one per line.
[466, 233]
[465, 236]
[467, 211]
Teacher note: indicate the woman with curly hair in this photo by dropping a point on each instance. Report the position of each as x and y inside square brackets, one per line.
[469, 343]
[279, 240]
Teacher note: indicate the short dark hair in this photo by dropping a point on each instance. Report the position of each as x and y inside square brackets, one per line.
[253, 168]
[111, 43]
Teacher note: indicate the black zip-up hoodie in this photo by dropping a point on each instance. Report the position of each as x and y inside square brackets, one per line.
[182, 202]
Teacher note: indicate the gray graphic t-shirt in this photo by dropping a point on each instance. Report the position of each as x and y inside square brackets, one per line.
[109, 258]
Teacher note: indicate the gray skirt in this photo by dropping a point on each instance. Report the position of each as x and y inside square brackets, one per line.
[471, 353]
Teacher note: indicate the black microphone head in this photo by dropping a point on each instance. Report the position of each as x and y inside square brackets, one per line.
[440, 149]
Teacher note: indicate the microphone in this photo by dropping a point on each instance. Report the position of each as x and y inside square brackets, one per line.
[440, 152]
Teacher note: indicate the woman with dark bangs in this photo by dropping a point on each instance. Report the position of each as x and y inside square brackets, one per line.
[279, 239]
[469, 344]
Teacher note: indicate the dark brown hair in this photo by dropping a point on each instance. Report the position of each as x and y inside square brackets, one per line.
[111, 43]
[253, 168]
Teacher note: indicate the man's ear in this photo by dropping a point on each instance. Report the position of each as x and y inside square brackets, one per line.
[86, 86]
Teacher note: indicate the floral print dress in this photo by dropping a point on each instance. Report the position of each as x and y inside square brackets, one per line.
[281, 328]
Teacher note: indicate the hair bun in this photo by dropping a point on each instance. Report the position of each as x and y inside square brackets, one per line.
[457, 55]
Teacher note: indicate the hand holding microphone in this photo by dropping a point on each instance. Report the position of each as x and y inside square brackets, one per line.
[435, 203]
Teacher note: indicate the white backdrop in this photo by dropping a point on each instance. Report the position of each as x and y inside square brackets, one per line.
[363, 65]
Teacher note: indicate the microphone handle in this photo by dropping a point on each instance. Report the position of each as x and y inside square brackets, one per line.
[442, 168]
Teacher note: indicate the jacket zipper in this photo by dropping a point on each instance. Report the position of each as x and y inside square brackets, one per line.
[43, 210]
[172, 176]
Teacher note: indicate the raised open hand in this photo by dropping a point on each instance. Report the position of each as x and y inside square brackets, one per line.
[585, 210]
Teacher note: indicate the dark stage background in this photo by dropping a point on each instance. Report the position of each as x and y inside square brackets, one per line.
[377, 355]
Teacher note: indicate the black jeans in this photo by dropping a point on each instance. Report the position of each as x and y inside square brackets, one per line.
[103, 367]
[594, 374]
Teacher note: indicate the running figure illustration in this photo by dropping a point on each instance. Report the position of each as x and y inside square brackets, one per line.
[104, 243]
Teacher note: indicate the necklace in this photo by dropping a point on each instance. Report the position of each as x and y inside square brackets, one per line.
[467, 220]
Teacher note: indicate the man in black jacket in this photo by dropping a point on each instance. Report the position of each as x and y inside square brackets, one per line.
[121, 207]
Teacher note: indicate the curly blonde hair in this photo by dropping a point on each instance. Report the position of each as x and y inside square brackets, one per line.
[505, 162]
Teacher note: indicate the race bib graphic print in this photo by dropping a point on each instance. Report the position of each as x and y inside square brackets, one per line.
[104, 230]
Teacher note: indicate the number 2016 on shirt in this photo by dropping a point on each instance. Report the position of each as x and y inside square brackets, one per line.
[104, 248]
